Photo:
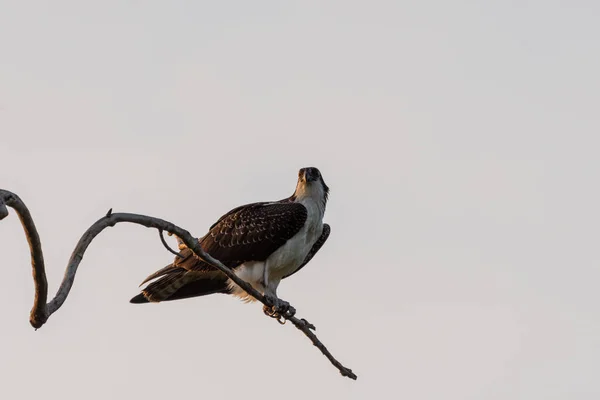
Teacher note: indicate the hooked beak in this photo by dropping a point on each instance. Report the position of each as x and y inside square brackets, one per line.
[308, 175]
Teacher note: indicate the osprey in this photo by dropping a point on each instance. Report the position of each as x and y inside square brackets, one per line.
[262, 243]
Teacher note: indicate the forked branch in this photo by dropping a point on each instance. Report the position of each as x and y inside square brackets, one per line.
[42, 309]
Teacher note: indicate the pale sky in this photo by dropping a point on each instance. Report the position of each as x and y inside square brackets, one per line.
[460, 141]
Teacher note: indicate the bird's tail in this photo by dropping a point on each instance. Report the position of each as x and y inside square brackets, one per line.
[179, 283]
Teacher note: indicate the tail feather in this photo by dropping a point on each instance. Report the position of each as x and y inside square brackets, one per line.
[178, 283]
[201, 287]
[139, 299]
[164, 287]
[169, 269]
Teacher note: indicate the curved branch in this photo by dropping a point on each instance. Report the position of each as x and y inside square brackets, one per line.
[39, 313]
[41, 310]
[165, 244]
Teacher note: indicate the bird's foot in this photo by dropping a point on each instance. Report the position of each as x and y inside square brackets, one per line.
[280, 309]
[285, 309]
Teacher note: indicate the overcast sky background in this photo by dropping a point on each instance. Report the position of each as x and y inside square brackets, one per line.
[459, 139]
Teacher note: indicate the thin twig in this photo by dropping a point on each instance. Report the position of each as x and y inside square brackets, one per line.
[42, 311]
[307, 328]
[164, 242]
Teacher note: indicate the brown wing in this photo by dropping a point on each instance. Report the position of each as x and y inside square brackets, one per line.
[315, 248]
[253, 232]
[247, 233]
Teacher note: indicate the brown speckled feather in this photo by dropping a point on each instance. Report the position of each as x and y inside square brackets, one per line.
[253, 232]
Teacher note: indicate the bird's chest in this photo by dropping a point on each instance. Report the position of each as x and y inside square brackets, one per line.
[291, 255]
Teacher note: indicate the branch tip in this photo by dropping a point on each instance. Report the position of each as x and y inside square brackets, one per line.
[109, 213]
[308, 324]
[38, 318]
[347, 372]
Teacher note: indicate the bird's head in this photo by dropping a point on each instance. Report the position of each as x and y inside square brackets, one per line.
[311, 184]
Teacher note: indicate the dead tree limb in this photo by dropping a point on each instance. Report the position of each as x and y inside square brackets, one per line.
[42, 309]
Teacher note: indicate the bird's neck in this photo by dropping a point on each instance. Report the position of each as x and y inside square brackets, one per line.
[310, 194]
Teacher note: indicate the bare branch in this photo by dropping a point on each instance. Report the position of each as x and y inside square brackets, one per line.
[42, 311]
[39, 313]
[307, 328]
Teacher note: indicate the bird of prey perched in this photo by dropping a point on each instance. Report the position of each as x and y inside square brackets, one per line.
[262, 243]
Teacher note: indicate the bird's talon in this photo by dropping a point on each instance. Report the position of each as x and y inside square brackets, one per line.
[269, 311]
[271, 300]
[280, 309]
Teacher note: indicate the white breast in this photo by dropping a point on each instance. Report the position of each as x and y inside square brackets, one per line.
[284, 260]
[288, 257]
